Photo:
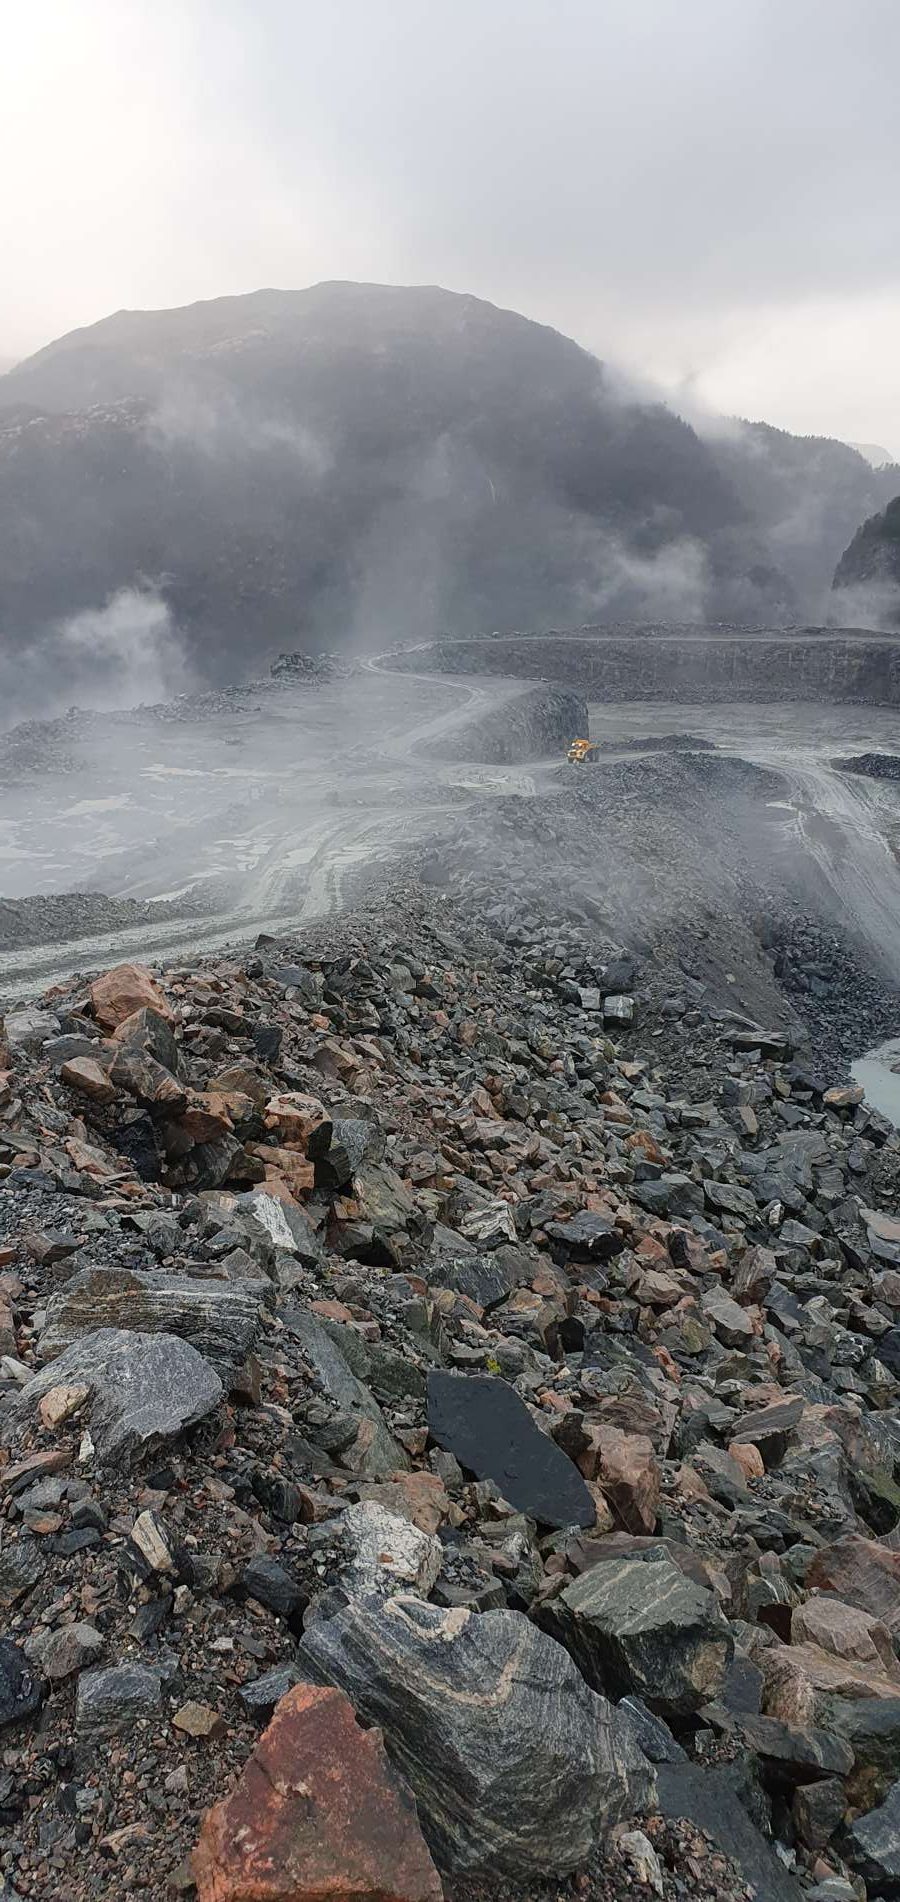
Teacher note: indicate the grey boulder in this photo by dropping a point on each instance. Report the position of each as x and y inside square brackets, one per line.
[516, 1765]
[873, 1846]
[644, 1629]
[219, 1318]
[110, 1702]
[142, 1389]
[22, 1691]
[375, 1453]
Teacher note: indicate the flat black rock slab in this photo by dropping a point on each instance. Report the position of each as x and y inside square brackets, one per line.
[710, 1798]
[483, 1422]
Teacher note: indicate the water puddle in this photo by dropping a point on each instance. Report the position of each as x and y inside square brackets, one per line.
[879, 1074]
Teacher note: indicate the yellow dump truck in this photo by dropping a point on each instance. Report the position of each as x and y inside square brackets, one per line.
[582, 753]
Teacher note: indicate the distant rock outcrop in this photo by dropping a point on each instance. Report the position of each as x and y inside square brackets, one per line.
[870, 567]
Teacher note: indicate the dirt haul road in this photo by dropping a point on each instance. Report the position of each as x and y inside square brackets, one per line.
[242, 815]
[261, 806]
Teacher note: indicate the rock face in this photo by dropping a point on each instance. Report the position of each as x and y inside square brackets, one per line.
[644, 1628]
[482, 1421]
[318, 1812]
[515, 1763]
[142, 1389]
[219, 1318]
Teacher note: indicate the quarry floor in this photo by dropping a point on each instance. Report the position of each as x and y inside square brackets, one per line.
[160, 833]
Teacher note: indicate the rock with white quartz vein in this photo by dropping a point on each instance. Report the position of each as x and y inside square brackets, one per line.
[516, 1765]
[220, 1318]
[385, 1553]
[642, 1627]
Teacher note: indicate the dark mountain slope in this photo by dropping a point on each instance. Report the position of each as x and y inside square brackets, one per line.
[805, 495]
[355, 462]
[869, 569]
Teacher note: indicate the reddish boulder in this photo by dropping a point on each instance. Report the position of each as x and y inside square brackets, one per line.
[301, 1121]
[318, 1815]
[127, 988]
[88, 1076]
[629, 1475]
[848, 1633]
[863, 1573]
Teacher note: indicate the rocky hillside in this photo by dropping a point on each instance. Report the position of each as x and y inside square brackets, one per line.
[448, 1411]
[805, 496]
[354, 463]
[872, 562]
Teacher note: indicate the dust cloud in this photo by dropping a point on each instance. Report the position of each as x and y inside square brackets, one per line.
[125, 653]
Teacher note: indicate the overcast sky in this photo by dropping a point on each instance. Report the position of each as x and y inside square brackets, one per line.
[706, 190]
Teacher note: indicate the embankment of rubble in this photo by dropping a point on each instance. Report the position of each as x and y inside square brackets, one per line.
[396, 1332]
[683, 664]
[542, 720]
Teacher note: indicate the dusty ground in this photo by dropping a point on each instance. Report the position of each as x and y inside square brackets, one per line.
[166, 831]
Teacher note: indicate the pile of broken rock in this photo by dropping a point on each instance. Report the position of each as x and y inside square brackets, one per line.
[434, 1452]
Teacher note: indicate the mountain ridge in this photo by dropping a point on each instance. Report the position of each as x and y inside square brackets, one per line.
[351, 464]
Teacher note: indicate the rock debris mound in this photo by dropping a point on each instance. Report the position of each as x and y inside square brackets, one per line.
[448, 1431]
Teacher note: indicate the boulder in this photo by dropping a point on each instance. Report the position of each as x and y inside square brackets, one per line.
[140, 1389]
[317, 1812]
[88, 1076]
[483, 1278]
[586, 1238]
[28, 1028]
[300, 1120]
[59, 1654]
[482, 1421]
[720, 1800]
[642, 1627]
[790, 1755]
[353, 1142]
[516, 1765]
[490, 1225]
[847, 1633]
[286, 1225]
[422, 1498]
[151, 1031]
[384, 1553]
[151, 1084]
[272, 1585]
[629, 1475]
[769, 1429]
[219, 1318]
[22, 1690]
[127, 988]
[871, 1727]
[863, 1573]
[375, 1454]
[671, 1194]
[22, 1563]
[110, 1702]
[873, 1846]
[805, 1685]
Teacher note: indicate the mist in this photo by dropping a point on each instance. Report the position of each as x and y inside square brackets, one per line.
[125, 653]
